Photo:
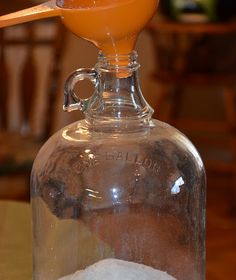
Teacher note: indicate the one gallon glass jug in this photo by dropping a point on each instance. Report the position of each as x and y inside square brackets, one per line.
[117, 195]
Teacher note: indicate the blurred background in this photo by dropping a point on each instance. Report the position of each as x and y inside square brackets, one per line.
[188, 76]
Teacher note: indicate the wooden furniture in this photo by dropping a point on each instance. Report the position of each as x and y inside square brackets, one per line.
[16, 241]
[198, 56]
[30, 66]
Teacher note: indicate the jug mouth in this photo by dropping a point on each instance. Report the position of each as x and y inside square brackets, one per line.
[118, 62]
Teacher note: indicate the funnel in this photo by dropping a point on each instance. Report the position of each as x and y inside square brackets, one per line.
[112, 25]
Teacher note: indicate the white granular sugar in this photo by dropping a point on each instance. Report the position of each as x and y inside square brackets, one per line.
[113, 269]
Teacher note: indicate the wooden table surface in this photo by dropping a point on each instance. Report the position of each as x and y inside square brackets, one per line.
[15, 241]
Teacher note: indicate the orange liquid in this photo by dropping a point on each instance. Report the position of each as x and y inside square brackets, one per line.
[112, 25]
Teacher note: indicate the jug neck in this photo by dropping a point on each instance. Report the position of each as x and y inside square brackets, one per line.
[118, 99]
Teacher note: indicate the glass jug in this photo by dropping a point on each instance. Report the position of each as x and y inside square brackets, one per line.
[117, 195]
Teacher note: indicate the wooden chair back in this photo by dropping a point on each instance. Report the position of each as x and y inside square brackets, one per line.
[23, 70]
[198, 56]
[30, 76]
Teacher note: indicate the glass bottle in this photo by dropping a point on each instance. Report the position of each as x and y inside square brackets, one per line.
[117, 189]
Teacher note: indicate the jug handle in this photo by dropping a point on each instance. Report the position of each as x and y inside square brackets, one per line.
[44, 10]
[71, 100]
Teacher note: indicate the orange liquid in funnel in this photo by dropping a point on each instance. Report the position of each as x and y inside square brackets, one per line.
[112, 25]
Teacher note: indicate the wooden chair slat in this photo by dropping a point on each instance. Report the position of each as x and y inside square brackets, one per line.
[28, 82]
[3, 84]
